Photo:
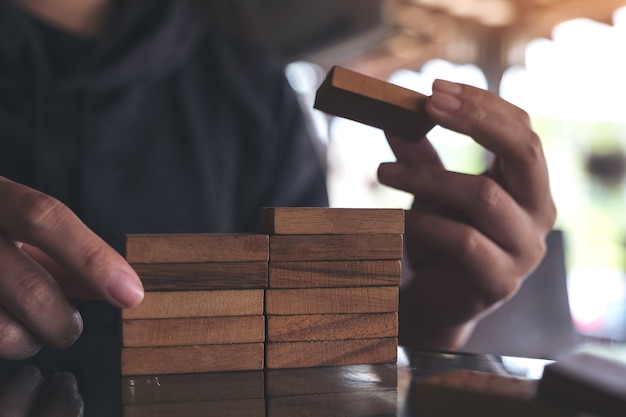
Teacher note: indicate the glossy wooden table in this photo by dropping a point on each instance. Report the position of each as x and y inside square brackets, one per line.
[350, 391]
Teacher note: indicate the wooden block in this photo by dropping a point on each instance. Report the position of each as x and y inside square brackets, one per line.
[586, 382]
[331, 379]
[331, 300]
[325, 274]
[218, 303]
[192, 359]
[330, 353]
[150, 389]
[187, 248]
[370, 403]
[254, 407]
[485, 394]
[335, 247]
[375, 102]
[202, 276]
[193, 331]
[331, 327]
[323, 221]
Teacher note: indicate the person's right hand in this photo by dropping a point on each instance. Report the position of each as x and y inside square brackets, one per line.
[47, 255]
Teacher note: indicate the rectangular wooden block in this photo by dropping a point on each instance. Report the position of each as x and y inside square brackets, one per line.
[375, 102]
[335, 247]
[322, 221]
[202, 276]
[150, 389]
[330, 353]
[251, 407]
[586, 382]
[331, 379]
[325, 274]
[331, 327]
[201, 247]
[179, 304]
[193, 331]
[192, 359]
[331, 300]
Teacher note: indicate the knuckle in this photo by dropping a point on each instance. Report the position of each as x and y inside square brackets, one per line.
[40, 209]
[533, 147]
[33, 295]
[489, 193]
[16, 342]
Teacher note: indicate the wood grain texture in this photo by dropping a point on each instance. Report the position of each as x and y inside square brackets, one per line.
[192, 359]
[331, 379]
[179, 304]
[254, 407]
[327, 274]
[371, 403]
[201, 247]
[322, 221]
[331, 300]
[330, 353]
[193, 331]
[202, 276]
[335, 247]
[375, 102]
[331, 327]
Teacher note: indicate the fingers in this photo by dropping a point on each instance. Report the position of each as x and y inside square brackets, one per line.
[58, 397]
[502, 128]
[475, 200]
[35, 309]
[26, 394]
[34, 218]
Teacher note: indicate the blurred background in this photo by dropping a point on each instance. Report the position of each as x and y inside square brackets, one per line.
[563, 61]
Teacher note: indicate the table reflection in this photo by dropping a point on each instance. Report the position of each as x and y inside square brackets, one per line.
[347, 391]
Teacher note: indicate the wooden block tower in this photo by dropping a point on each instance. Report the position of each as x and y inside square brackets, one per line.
[203, 306]
[316, 287]
[332, 297]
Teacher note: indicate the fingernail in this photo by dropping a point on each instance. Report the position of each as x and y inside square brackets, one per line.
[447, 87]
[125, 290]
[445, 95]
[391, 170]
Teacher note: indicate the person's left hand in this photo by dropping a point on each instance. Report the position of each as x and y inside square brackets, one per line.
[471, 239]
[26, 393]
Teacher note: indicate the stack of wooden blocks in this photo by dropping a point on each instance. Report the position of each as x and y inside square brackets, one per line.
[332, 297]
[316, 287]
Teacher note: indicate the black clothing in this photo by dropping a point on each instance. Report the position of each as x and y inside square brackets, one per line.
[160, 126]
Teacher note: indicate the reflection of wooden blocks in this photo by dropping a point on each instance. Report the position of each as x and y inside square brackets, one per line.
[324, 221]
[335, 247]
[190, 359]
[377, 103]
[330, 353]
[485, 394]
[247, 407]
[166, 305]
[150, 389]
[320, 274]
[188, 248]
[331, 300]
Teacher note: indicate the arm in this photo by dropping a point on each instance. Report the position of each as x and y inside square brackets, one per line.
[471, 240]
